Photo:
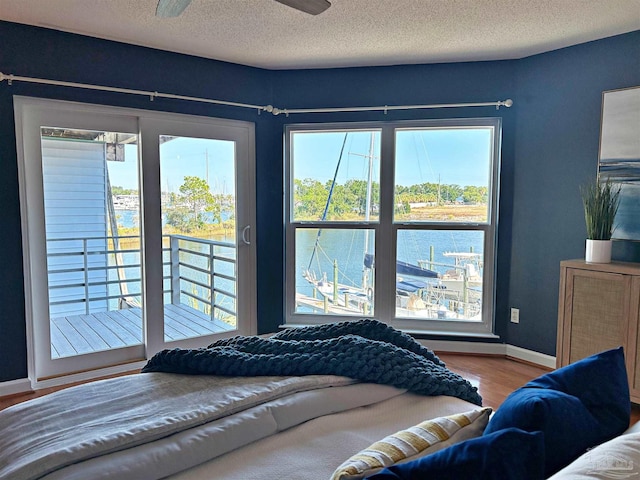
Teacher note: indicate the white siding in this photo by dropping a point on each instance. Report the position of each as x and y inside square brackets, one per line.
[74, 178]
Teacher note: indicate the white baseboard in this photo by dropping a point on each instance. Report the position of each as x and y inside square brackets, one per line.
[531, 356]
[491, 349]
[13, 387]
[465, 347]
[89, 375]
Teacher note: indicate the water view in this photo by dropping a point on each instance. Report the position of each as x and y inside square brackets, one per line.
[438, 273]
[441, 176]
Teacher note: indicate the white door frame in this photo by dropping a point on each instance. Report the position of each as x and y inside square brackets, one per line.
[30, 115]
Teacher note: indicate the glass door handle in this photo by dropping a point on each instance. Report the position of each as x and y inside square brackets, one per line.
[245, 237]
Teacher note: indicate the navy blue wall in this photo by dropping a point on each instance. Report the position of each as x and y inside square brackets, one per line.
[36, 52]
[415, 84]
[557, 139]
[550, 146]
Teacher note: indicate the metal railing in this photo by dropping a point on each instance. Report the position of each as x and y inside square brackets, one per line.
[204, 275]
[200, 271]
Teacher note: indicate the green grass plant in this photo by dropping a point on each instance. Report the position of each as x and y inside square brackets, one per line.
[600, 201]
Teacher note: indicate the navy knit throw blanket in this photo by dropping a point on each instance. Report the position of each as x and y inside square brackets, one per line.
[346, 349]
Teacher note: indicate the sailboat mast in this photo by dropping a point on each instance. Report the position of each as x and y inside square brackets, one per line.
[326, 206]
[367, 210]
[367, 213]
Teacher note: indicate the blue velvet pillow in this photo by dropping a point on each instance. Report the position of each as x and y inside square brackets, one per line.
[510, 454]
[577, 407]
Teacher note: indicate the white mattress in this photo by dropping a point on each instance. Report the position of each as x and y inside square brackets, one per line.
[313, 450]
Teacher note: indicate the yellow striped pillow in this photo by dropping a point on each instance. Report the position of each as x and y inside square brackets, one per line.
[415, 442]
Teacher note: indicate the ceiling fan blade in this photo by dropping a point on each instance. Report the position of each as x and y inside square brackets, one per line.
[171, 8]
[313, 7]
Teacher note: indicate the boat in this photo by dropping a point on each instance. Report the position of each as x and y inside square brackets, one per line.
[464, 277]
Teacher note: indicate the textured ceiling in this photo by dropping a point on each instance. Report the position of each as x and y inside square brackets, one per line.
[265, 33]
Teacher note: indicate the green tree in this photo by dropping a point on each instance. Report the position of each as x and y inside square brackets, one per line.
[449, 193]
[195, 192]
[309, 199]
[178, 217]
[472, 194]
[216, 207]
[117, 190]
[187, 212]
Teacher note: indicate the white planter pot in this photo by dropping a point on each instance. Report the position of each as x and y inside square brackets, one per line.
[598, 251]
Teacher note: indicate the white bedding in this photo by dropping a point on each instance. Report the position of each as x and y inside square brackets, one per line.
[161, 425]
[314, 449]
[157, 425]
[126, 428]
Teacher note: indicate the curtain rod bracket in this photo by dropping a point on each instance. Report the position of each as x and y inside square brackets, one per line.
[8, 78]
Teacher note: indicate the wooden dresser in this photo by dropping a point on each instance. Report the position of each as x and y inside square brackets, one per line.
[599, 309]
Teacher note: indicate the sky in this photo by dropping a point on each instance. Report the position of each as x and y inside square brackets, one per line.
[182, 157]
[449, 156]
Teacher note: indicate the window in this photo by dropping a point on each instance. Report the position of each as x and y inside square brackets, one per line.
[394, 221]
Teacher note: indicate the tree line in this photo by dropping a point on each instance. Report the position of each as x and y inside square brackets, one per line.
[310, 197]
[194, 206]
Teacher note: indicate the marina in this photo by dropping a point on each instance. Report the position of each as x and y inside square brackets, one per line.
[421, 292]
[438, 273]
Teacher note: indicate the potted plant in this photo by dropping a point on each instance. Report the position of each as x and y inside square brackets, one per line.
[600, 201]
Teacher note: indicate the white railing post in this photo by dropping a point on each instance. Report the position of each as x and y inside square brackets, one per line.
[175, 269]
[86, 275]
[212, 276]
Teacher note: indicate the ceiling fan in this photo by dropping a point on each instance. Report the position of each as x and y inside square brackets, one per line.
[173, 8]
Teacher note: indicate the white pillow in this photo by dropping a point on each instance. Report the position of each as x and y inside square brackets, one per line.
[618, 458]
[423, 439]
[635, 428]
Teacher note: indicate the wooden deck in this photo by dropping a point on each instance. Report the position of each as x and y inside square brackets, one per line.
[79, 334]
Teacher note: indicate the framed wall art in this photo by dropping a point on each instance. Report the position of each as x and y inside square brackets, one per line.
[619, 160]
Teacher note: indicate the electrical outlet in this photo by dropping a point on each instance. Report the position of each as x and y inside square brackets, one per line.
[515, 315]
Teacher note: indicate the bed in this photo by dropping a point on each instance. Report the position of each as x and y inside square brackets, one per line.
[199, 413]
[315, 403]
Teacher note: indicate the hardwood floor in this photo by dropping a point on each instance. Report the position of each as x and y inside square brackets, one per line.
[496, 377]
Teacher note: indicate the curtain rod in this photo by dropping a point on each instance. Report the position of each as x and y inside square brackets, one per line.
[260, 108]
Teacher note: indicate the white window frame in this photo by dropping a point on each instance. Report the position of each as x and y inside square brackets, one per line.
[386, 231]
[28, 113]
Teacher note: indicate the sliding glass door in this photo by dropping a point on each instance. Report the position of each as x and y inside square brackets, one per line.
[135, 239]
[203, 179]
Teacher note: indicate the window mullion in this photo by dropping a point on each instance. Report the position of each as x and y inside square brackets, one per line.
[385, 232]
[152, 237]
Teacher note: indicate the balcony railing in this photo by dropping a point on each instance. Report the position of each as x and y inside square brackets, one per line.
[198, 267]
[104, 273]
